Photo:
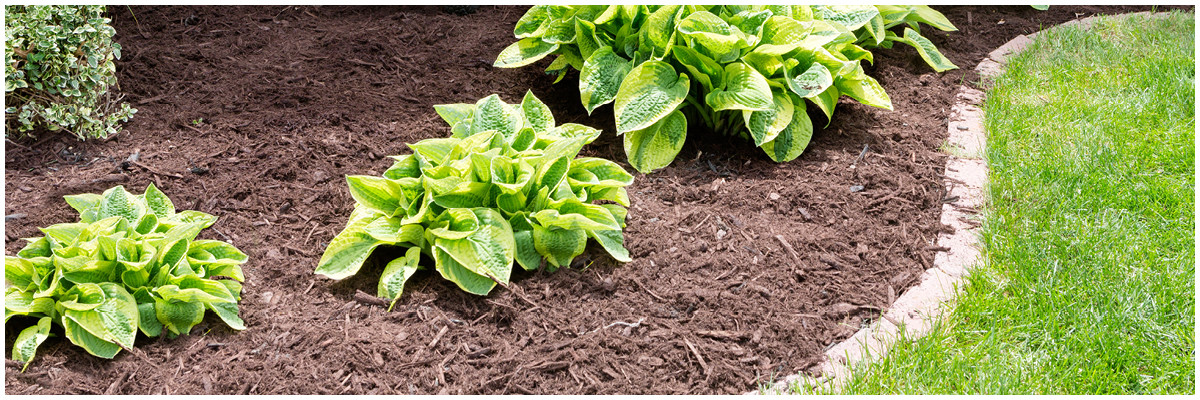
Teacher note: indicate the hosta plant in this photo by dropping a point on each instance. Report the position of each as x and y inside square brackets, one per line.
[736, 69]
[506, 186]
[132, 263]
[871, 26]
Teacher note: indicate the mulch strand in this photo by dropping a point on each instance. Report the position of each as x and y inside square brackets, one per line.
[743, 270]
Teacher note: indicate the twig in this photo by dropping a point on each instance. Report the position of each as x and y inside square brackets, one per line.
[363, 297]
[439, 335]
[633, 325]
[789, 248]
[155, 171]
[698, 357]
[519, 294]
[648, 291]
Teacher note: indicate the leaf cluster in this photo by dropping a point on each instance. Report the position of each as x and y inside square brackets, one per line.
[58, 68]
[505, 187]
[131, 264]
[737, 69]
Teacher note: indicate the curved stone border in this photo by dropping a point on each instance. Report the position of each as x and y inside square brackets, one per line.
[966, 174]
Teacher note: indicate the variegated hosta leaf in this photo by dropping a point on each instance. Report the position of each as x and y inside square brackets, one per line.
[764, 125]
[27, 342]
[709, 73]
[927, 50]
[658, 34]
[650, 92]
[657, 145]
[601, 77]
[794, 138]
[712, 36]
[559, 246]
[745, 89]
[396, 273]
[524, 52]
[454, 113]
[492, 114]
[867, 91]
[850, 16]
[537, 114]
[809, 83]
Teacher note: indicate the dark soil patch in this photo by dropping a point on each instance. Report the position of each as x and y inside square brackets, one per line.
[262, 110]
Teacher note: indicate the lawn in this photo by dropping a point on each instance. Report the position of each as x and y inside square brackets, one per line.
[1087, 283]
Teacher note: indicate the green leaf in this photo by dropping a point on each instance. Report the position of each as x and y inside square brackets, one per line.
[613, 242]
[559, 246]
[25, 347]
[537, 114]
[396, 273]
[228, 313]
[766, 124]
[570, 130]
[81, 202]
[923, 13]
[91, 343]
[454, 113]
[927, 50]
[781, 35]
[657, 35]
[866, 91]
[574, 214]
[491, 113]
[148, 319]
[601, 77]
[876, 30]
[466, 280]
[526, 253]
[465, 195]
[18, 272]
[347, 251]
[585, 38]
[712, 36]
[650, 92]
[533, 23]
[524, 52]
[158, 203]
[178, 317]
[116, 202]
[826, 101]
[64, 234]
[810, 83]
[488, 251]
[745, 89]
[378, 193]
[850, 16]
[657, 145]
[793, 139]
[709, 73]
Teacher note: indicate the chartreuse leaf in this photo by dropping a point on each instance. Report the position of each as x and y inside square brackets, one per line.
[927, 50]
[479, 200]
[601, 77]
[380, 194]
[922, 13]
[524, 52]
[866, 91]
[613, 242]
[533, 23]
[657, 145]
[25, 347]
[709, 73]
[537, 114]
[492, 114]
[559, 246]
[658, 34]
[102, 319]
[850, 16]
[794, 138]
[764, 125]
[809, 83]
[454, 113]
[116, 202]
[18, 272]
[396, 273]
[158, 203]
[178, 317]
[745, 89]
[712, 36]
[650, 92]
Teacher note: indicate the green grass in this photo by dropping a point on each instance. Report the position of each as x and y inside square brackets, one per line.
[1088, 279]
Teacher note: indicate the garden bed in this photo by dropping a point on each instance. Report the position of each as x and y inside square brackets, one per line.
[743, 270]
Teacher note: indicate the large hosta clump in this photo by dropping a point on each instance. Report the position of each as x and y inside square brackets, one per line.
[737, 69]
[131, 264]
[506, 187]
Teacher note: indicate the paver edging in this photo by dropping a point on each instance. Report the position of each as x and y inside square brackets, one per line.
[966, 174]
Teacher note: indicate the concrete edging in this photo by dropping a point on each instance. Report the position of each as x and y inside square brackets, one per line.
[921, 306]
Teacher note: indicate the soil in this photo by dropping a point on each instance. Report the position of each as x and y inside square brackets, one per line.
[743, 270]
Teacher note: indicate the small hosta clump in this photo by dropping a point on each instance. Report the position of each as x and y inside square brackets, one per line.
[506, 187]
[131, 264]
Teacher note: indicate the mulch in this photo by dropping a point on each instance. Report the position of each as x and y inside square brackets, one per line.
[743, 270]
